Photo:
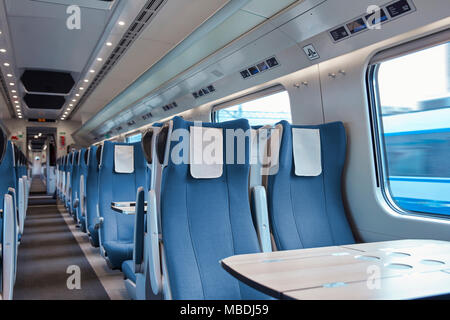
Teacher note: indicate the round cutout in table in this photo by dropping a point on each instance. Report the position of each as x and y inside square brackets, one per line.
[398, 254]
[399, 266]
[430, 262]
[367, 258]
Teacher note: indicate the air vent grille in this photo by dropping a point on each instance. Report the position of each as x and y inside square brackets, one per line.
[146, 15]
[147, 116]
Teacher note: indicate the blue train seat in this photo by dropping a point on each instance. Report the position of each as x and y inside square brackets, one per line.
[93, 162]
[69, 166]
[75, 186]
[80, 209]
[304, 196]
[205, 217]
[123, 170]
[136, 270]
[8, 220]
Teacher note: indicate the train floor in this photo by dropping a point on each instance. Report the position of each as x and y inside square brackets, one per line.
[55, 259]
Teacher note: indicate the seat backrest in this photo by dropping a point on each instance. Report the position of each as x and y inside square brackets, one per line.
[75, 176]
[205, 220]
[123, 169]
[81, 171]
[7, 171]
[304, 196]
[92, 189]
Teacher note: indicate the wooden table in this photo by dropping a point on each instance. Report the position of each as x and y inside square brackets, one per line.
[404, 269]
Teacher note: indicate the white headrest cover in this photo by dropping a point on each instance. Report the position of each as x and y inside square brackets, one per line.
[123, 159]
[307, 152]
[206, 152]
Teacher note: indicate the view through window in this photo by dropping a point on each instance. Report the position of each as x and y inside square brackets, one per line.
[414, 113]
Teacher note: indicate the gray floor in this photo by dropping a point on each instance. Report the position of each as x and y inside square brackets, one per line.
[51, 247]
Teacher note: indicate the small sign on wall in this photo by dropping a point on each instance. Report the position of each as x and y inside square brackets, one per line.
[311, 52]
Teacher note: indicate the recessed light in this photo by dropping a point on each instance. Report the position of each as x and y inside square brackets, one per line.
[77, 94]
[36, 137]
[109, 44]
[121, 23]
[20, 117]
[15, 97]
[74, 100]
[16, 101]
[99, 59]
[13, 91]
[81, 88]
[70, 105]
[92, 71]
[68, 109]
[11, 84]
[86, 80]
[9, 75]
[6, 64]
[2, 50]
[18, 107]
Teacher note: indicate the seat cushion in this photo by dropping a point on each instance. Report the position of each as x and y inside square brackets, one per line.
[128, 270]
[118, 252]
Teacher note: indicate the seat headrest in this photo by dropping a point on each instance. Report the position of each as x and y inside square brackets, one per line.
[161, 143]
[98, 154]
[86, 156]
[147, 144]
[307, 152]
[3, 144]
[124, 158]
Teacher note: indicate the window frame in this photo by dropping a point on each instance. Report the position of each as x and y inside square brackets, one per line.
[247, 98]
[376, 122]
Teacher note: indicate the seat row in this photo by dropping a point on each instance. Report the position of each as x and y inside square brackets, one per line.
[14, 192]
[202, 192]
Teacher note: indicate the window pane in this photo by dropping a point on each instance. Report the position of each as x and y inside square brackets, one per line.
[266, 110]
[414, 94]
[134, 138]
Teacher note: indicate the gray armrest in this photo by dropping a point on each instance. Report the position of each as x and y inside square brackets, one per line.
[153, 231]
[262, 218]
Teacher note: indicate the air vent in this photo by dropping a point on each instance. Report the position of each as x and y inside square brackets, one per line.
[170, 106]
[131, 123]
[40, 101]
[146, 15]
[203, 92]
[119, 128]
[260, 67]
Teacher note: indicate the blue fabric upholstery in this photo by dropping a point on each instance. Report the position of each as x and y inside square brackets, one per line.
[92, 195]
[68, 173]
[204, 221]
[128, 270]
[75, 181]
[117, 229]
[82, 171]
[307, 212]
[8, 180]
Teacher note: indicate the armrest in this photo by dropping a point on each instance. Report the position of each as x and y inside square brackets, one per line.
[21, 204]
[82, 197]
[262, 218]
[139, 220]
[9, 247]
[98, 222]
[154, 245]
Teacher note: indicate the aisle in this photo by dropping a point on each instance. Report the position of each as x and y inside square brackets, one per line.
[47, 250]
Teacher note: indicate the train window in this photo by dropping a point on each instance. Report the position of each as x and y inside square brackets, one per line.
[412, 98]
[134, 138]
[267, 109]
